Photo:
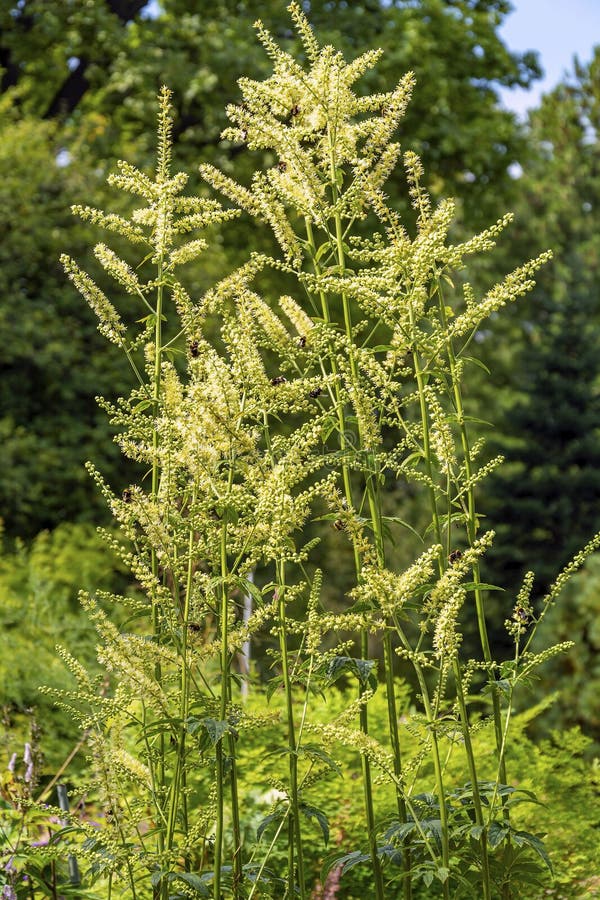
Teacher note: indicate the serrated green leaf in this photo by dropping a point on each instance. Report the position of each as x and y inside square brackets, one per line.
[497, 833]
[273, 685]
[399, 830]
[434, 828]
[454, 418]
[312, 812]
[525, 839]
[315, 752]
[502, 685]
[192, 725]
[412, 457]
[345, 862]
[215, 729]
[364, 669]
[276, 816]
[197, 882]
[322, 250]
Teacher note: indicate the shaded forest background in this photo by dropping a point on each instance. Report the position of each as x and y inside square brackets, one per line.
[78, 82]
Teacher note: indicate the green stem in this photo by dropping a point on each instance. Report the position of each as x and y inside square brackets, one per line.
[179, 775]
[364, 642]
[220, 757]
[295, 832]
[439, 779]
[238, 872]
[257, 880]
[479, 817]
[225, 663]
[294, 827]
[471, 535]
[438, 536]
[156, 612]
[375, 511]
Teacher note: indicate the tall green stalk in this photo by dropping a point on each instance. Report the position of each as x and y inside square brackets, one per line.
[220, 756]
[374, 501]
[364, 637]
[179, 776]
[419, 373]
[472, 533]
[156, 612]
[294, 824]
[480, 612]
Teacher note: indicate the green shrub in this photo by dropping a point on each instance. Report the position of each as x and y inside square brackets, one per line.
[39, 588]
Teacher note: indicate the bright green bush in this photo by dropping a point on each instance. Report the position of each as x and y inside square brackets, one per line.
[558, 770]
[39, 608]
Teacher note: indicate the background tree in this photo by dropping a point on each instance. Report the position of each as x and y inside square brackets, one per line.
[545, 502]
[52, 360]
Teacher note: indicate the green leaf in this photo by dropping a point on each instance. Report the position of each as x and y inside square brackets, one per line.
[364, 669]
[525, 839]
[412, 458]
[193, 724]
[215, 729]
[198, 882]
[502, 685]
[248, 587]
[399, 830]
[143, 404]
[156, 877]
[227, 512]
[497, 833]
[476, 362]
[345, 862]
[404, 524]
[452, 417]
[274, 685]
[276, 816]
[322, 250]
[434, 828]
[258, 873]
[483, 586]
[455, 517]
[315, 752]
[312, 812]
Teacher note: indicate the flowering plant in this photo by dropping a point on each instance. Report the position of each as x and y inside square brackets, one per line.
[268, 425]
